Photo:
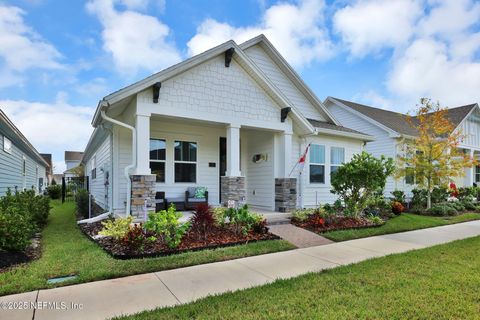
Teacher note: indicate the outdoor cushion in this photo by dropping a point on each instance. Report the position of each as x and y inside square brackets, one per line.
[191, 191]
[200, 193]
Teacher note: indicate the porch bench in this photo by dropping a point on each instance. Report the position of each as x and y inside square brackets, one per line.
[191, 200]
[178, 202]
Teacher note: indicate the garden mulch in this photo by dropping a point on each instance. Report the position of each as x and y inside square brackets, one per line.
[9, 259]
[216, 237]
[335, 223]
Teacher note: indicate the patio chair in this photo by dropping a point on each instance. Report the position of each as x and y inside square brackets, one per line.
[195, 196]
[160, 201]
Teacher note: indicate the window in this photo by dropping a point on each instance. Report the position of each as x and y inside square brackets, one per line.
[24, 168]
[7, 145]
[477, 174]
[337, 157]
[185, 161]
[157, 158]
[317, 163]
[409, 176]
[94, 167]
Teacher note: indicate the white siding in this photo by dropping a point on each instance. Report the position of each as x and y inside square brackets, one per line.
[470, 127]
[283, 83]
[98, 188]
[122, 145]
[260, 183]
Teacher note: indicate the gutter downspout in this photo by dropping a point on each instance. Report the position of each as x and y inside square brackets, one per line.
[134, 154]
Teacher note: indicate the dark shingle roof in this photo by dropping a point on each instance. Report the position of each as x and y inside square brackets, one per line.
[326, 125]
[73, 155]
[398, 121]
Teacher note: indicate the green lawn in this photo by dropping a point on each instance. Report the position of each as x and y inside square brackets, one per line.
[67, 251]
[440, 282]
[404, 222]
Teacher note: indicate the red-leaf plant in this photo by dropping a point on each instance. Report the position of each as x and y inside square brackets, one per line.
[203, 219]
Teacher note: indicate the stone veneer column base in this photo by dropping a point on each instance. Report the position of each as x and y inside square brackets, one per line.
[285, 194]
[232, 188]
[143, 189]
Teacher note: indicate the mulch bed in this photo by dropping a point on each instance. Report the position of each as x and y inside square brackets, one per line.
[216, 237]
[336, 223]
[10, 259]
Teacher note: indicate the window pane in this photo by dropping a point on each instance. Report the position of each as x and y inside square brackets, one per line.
[337, 155]
[317, 173]
[157, 149]
[185, 151]
[158, 169]
[333, 169]
[317, 153]
[409, 176]
[185, 172]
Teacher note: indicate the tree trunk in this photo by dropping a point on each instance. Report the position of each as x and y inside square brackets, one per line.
[429, 193]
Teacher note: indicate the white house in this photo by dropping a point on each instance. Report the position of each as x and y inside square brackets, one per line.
[72, 160]
[390, 128]
[234, 119]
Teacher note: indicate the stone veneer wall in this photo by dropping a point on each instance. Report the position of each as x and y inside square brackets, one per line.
[143, 188]
[285, 194]
[233, 188]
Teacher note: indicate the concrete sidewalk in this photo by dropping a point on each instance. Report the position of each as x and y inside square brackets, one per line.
[105, 299]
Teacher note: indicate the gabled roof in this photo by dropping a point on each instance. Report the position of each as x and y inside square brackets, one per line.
[396, 121]
[290, 73]
[183, 66]
[18, 138]
[73, 155]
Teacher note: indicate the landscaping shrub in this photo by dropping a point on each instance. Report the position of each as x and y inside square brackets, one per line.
[15, 230]
[243, 220]
[397, 207]
[440, 194]
[117, 228]
[203, 219]
[457, 205]
[54, 191]
[398, 196]
[419, 198]
[377, 205]
[136, 238]
[469, 205]
[81, 200]
[358, 180]
[442, 209]
[167, 226]
[328, 208]
[375, 220]
[302, 214]
[219, 214]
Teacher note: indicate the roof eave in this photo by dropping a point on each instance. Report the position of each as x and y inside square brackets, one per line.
[364, 137]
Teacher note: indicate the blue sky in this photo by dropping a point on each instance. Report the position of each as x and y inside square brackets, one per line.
[58, 58]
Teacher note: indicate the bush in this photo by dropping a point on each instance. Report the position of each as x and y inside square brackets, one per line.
[442, 209]
[302, 214]
[54, 191]
[376, 220]
[457, 205]
[117, 228]
[397, 207]
[377, 205]
[243, 220]
[203, 219]
[469, 205]
[419, 198]
[358, 180]
[328, 208]
[15, 230]
[81, 200]
[219, 214]
[439, 194]
[398, 196]
[166, 225]
[136, 238]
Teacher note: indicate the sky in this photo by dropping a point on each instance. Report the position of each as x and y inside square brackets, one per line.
[59, 58]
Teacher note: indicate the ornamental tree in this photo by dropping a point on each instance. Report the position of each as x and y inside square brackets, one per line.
[358, 180]
[433, 156]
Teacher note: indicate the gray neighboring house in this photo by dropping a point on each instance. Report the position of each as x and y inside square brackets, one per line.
[390, 128]
[72, 160]
[21, 166]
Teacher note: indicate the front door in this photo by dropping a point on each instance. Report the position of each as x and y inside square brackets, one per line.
[222, 168]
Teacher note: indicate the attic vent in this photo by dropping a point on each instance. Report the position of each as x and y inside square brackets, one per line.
[284, 113]
[228, 56]
[156, 91]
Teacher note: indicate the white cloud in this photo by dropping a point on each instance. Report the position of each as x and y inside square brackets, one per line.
[51, 127]
[22, 49]
[136, 41]
[296, 30]
[367, 26]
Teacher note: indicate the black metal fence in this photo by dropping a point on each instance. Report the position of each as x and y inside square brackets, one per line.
[71, 185]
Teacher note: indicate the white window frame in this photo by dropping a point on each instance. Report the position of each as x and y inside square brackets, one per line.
[6, 142]
[182, 161]
[160, 161]
[310, 164]
[335, 165]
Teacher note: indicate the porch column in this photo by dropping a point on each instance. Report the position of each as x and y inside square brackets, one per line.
[233, 151]
[232, 186]
[285, 186]
[142, 124]
[470, 172]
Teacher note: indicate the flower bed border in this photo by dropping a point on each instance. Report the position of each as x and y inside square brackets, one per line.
[173, 252]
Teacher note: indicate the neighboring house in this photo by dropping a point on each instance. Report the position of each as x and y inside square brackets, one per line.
[21, 166]
[390, 128]
[72, 160]
[234, 119]
[48, 158]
